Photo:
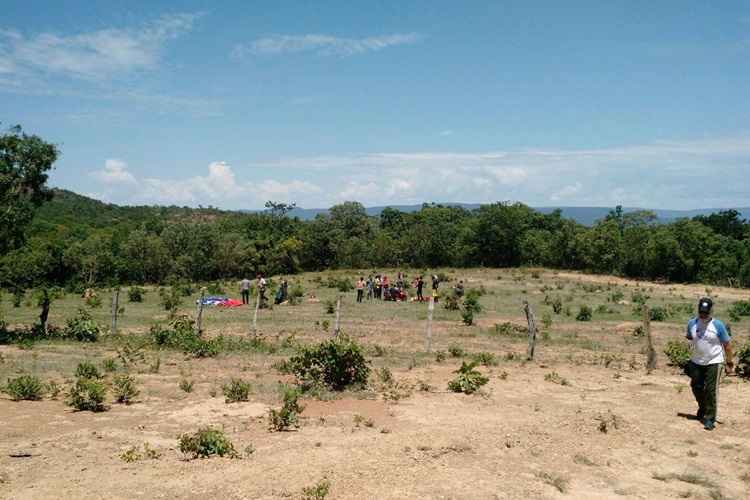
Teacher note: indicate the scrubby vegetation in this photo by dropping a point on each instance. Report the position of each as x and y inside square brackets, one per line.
[207, 442]
[468, 380]
[24, 388]
[337, 363]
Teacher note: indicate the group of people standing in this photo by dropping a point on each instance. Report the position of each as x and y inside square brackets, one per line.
[282, 294]
[381, 287]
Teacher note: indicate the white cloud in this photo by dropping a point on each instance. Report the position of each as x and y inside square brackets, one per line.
[322, 44]
[219, 186]
[94, 55]
[690, 174]
[115, 172]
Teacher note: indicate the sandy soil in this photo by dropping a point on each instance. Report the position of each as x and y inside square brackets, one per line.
[611, 432]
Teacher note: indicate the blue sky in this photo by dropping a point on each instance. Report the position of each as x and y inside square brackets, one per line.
[234, 103]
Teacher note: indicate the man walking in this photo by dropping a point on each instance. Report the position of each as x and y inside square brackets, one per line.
[245, 285]
[360, 289]
[710, 343]
[261, 285]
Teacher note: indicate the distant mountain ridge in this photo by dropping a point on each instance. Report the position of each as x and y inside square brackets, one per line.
[582, 215]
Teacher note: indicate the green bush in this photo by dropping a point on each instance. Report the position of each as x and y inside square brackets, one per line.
[125, 389]
[136, 293]
[236, 390]
[616, 297]
[207, 442]
[82, 327]
[450, 302]
[87, 369]
[678, 352]
[471, 306]
[584, 313]
[186, 385]
[180, 334]
[468, 380]
[94, 301]
[336, 363]
[25, 388]
[288, 415]
[657, 313]
[556, 304]
[485, 358]
[87, 395]
[170, 298]
[456, 351]
[215, 288]
[109, 365]
[739, 309]
[743, 361]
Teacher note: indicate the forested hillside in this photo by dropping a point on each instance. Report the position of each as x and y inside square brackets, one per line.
[76, 241]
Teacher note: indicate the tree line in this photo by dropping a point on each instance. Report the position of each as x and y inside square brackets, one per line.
[62, 239]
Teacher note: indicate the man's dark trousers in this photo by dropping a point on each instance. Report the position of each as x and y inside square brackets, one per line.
[704, 381]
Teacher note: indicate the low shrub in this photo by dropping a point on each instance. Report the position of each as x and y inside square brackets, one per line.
[25, 388]
[215, 288]
[336, 363]
[186, 385]
[456, 351]
[678, 352]
[87, 369]
[288, 415]
[743, 361]
[584, 313]
[440, 356]
[318, 492]
[87, 395]
[136, 293]
[658, 313]
[207, 442]
[739, 309]
[450, 302]
[556, 304]
[468, 379]
[616, 297]
[82, 327]
[330, 307]
[555, 378]
[485, 358]
[94, 300]
[236, 390]
[125, 389]
[109, 365]
[170, 299]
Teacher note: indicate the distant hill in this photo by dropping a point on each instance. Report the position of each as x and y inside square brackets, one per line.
[583, 215]
[71, 210]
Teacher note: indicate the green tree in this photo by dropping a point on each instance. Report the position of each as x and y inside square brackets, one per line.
[24, 163]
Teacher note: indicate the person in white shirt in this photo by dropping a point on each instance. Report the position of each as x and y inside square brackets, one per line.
[712, 349]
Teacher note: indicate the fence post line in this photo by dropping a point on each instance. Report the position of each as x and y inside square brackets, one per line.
[430, 310]
[651, 359]
[337, 328]
[255, 314]
[115, 310]
[532, 330]
[199, 315]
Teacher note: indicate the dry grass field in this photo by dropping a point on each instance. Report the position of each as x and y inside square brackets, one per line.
[583, 420]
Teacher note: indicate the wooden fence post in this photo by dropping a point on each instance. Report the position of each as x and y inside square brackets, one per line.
[337, 327]
[532, 330]
[115, 310]
[199, 315]
[430, 310]
[255, 314]
[651, 356]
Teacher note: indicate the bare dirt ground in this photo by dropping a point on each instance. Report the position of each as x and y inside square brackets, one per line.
[602, 429]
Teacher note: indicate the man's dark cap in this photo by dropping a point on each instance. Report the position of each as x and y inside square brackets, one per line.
[705, 305]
